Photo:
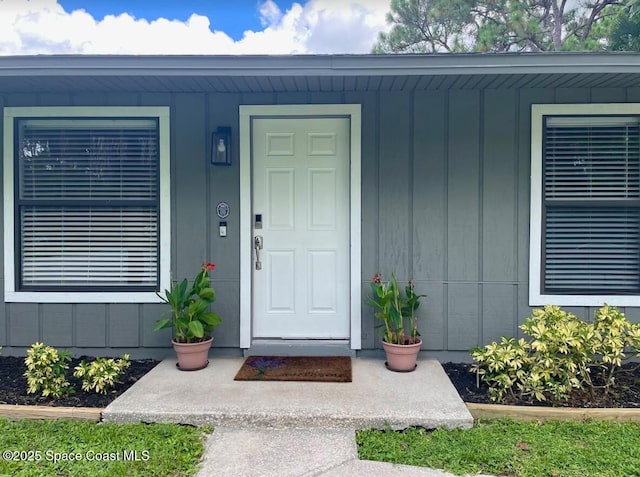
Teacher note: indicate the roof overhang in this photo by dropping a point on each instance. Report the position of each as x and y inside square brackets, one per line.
[239, 74]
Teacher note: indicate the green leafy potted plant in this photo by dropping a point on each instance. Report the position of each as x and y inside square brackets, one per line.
[191, 319]
[399, 328]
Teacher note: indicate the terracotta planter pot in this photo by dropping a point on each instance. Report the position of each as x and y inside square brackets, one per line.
[192, 356]
[402, 358]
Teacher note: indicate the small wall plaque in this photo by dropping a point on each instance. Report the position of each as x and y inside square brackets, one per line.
[222, 210]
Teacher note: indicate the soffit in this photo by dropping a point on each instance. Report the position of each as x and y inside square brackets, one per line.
[330, 73]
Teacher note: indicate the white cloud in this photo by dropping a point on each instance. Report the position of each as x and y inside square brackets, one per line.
[269, 13]
[343, 27]
[317, 26]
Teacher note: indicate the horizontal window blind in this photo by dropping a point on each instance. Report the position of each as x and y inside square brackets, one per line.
[592, 250]
[592, 161]
[88, 203]
[78, 247]
[591, 215]
[85, 159]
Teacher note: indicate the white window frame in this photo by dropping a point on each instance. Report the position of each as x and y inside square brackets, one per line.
[10, 292]
[538, 111]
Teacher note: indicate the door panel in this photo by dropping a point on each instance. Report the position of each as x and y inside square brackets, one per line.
[322, 199]
[281, 279]
[300, 188]
[280, 199]
[323, 268]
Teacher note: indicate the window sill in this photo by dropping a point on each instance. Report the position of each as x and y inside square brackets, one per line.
[81, 297]
[536, 299]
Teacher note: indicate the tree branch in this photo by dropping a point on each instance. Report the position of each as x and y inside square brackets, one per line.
[595, 16]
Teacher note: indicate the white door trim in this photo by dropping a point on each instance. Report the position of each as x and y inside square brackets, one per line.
[352, 111]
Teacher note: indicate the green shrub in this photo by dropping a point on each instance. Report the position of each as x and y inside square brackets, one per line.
[562, 347]
[560, 355]
[102, 374]
[614, 334]
[502, 366]
[46, 371]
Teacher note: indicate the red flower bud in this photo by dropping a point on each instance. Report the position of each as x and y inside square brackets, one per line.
[207, 267]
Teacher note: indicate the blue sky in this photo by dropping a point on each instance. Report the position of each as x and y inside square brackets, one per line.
[230, 16]
[190, 26]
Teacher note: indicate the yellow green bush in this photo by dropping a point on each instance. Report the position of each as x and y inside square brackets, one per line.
[561, 353]
[46, 371]
[101, 374]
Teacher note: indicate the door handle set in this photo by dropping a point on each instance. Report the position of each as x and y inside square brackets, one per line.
[258, 245]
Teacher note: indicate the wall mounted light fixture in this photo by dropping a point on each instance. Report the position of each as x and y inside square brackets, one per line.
[221, 146]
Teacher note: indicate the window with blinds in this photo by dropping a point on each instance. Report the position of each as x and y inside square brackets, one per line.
[591, 205]
[87, 204]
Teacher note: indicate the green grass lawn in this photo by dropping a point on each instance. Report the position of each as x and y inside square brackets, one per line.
[79, 448]
[504, 447]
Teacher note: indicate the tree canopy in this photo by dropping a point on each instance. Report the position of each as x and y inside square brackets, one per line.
[433, 26]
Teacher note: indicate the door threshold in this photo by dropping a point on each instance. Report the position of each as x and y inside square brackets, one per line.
[282, 347]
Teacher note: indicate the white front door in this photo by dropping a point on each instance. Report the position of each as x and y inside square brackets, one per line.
[300, 210]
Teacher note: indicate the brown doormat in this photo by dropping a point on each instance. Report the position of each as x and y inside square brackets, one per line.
[335, 369]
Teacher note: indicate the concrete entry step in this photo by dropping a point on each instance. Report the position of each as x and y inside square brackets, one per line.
[377, 398]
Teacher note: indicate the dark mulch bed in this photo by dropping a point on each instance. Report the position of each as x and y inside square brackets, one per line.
[13, 387]
[625, 393]
[13, 384]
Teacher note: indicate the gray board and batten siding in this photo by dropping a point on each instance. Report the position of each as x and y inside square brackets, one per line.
[445, 200]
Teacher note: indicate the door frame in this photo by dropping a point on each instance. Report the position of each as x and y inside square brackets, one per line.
[249, 112]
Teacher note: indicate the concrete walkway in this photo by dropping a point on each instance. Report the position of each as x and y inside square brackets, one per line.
[295, 453]
[291, 428]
